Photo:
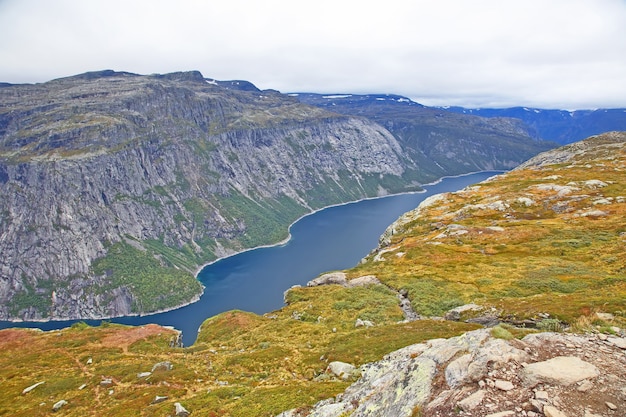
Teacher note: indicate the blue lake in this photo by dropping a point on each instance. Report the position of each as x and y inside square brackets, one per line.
[334, 238]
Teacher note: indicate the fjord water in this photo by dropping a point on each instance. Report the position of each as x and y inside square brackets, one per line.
[334, 238]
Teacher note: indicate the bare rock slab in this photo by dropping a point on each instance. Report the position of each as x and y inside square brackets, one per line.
[551, 411]
[562, 370]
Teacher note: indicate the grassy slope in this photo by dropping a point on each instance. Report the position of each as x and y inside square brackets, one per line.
[522, 261]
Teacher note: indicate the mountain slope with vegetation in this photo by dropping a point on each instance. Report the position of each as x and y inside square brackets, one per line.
[116, 187]
[441, 142]
[538, 248]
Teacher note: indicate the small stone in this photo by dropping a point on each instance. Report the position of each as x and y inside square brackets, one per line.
[550, 411]
[159, 399]
[144, 374]
[537, 405]
[481, 383]
[531, 414]
[57, 406]
[541, 396]
[469, 403]
[363, 323]
[180, 410]
[32, 387]
[502, 414]
[504, 385]
[82, 387]
[163, 366]
[89, 361]
[585, 386]
[106, 382]
[611, 406]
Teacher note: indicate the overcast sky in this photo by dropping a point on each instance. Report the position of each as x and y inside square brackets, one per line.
[568, 54]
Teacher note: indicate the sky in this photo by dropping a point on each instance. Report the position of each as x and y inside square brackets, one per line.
[565, 54]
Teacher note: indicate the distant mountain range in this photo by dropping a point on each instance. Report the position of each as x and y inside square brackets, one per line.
[560, 126]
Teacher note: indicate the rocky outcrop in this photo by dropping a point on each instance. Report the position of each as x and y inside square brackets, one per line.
[479, 375]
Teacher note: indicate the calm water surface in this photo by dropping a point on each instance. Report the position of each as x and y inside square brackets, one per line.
[334, 238]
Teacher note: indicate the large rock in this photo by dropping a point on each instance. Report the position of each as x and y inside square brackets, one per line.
[337, 278]
[341, 370]
[562, 370]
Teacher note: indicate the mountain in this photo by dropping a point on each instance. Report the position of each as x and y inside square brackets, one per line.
[560, 126]
[440, 142]
[116, 187]
[535, 255]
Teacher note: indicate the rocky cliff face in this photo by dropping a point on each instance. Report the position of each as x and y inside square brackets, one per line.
[441, 142]
[172, 168]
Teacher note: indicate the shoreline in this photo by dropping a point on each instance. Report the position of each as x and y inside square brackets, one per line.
[288, 238]
[278, 244]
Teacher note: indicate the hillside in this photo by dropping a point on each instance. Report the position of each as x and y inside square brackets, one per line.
[540, 248]
[116, 187]
[441, 142]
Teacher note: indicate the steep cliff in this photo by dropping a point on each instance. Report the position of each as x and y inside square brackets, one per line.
[115, 187]
[440, 142]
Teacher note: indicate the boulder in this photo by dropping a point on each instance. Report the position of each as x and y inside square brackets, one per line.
[363, 281]
[341, 370]
[363, 323]
[32, 387]
[57, 406]
[469, 403]
[163, 366]
[338, 278]
[455, 313]
[562, 370]
[180, 410]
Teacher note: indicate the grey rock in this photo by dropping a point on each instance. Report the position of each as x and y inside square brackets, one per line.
[620, 342]
[363, 323]
[551, 411]
[336, 278]
[469, 403]
[180, 411]
[455, 313]
[341, 370]
[106, 382]
[363, 281]
[162, 366]
[507, 413]
[58, 405]
[562, 370]
[32, 387]
[504, 385]
[159, 399]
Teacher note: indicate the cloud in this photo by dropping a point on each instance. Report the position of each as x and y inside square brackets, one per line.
[556, 53]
